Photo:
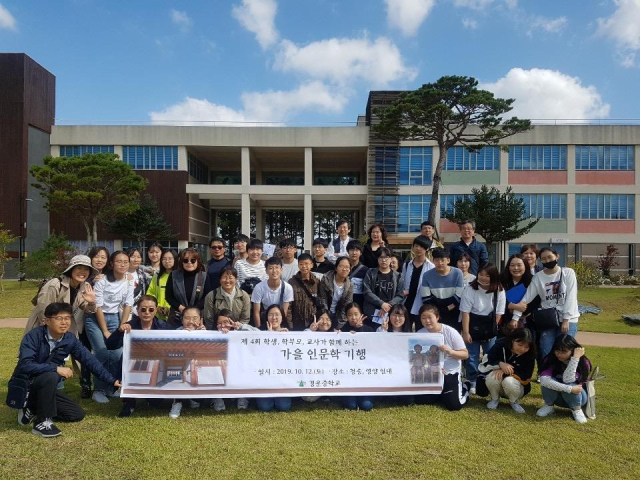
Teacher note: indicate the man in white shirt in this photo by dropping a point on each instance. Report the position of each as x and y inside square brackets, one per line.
[288, 251]
[338, 247]
[271, 291]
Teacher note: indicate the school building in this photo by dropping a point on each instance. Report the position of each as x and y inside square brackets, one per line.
[579, 179]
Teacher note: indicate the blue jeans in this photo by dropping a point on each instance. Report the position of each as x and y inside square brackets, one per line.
[110, 359]
[268, 404]
[547, 337]
[353, 403]
[471, 364]
[562, 399]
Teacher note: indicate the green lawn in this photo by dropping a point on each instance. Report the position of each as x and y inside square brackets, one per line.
[324, 441]
[614, 302]
[15, 301]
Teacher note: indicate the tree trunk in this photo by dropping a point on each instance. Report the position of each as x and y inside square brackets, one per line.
[94, 234]
[437, 180]
[88, 229]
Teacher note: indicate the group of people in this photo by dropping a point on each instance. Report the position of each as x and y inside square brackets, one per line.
[495, 325]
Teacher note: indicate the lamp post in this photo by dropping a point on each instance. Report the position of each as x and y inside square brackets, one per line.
[23, 226]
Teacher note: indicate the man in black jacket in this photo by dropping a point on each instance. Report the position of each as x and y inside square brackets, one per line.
[42, 358]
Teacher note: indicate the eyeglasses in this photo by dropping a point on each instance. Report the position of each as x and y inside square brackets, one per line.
[121, 262]
[61, 318]
[191, 319]
[288, 247]
[216, 247]
[189, 260]
[147, 309]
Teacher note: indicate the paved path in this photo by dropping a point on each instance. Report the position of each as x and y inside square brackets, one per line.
[584, 338]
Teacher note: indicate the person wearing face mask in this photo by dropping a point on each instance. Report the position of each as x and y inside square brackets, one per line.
[557, 288]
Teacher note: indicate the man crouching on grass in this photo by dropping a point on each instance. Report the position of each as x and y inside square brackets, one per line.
[42, 357]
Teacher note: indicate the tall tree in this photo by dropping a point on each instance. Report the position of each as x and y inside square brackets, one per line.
[6, 239]
[94, 187]
[499, 216]
[451, 111]
[145, 223]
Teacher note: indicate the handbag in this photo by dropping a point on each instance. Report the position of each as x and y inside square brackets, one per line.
[590, 386]
[547, 318]
[18, 390]
[484, 327]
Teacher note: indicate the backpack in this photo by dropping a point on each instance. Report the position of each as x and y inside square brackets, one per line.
[249, 284]
[43, 282]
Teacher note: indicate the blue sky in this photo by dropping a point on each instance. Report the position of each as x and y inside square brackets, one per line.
[315, 61]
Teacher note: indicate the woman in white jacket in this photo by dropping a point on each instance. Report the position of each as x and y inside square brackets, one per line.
[557, 288]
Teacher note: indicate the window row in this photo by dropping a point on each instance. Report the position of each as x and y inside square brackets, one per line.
[548, 206]
[141, 157]
[610, 157]
[461, 158]
[79, 150]
[402, 213]
[604, 207]
[537, 157]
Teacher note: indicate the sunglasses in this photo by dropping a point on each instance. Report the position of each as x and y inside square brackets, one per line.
[216, 247]
[147, 309]
[190, 260]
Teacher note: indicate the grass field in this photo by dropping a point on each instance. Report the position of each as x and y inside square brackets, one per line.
[324, 441]
[15, 302]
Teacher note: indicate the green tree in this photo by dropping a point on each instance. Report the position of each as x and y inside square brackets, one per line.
[499, 216]
[6, 239]
[94, 187]
[451, 111]
[50, 260]
[146, 222]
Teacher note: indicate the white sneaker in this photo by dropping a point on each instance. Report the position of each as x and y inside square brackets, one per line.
[193, 404]
[176, 408]
[545, 410]
[99, 397]
[578, 416]
[243, 403]
[493, 404]
[218, 404]
[472, 390]
[517, 407]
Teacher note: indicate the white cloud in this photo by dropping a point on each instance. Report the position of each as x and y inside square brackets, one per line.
[339, 60]
[623, 27]
[469, 23]
[472, 4]
[182, 20]
[7, 20]
[258, 16]
[270, 106]
[408, 15]
[551, 25]
[548, 94]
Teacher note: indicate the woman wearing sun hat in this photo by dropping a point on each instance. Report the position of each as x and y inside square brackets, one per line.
[71, 287]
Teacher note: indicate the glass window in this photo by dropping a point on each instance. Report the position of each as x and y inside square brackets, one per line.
[460, 158]
[387, 162]
[605, 157]
[79, 150]
[415, 165]
[605, 207]
[197, 169]
[549, 206]
[141, 157]
[283, 178]
[537, 157]
[337, 178]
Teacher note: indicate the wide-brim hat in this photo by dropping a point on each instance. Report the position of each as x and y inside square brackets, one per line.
[81, 260]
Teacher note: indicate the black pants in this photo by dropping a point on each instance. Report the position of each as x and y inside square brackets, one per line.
[85, 373]
[453, 397]
[46, 401]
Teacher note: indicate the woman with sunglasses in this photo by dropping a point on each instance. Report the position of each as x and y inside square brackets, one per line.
[185, 285]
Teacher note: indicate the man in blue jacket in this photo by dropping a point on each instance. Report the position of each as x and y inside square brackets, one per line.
[469, 245]
[42, 357]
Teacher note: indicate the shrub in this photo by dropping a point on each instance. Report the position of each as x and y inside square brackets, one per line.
[608, 260]
[586, 273]
[50, 260]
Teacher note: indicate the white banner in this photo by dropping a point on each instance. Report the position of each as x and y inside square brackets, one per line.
[209, 364]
